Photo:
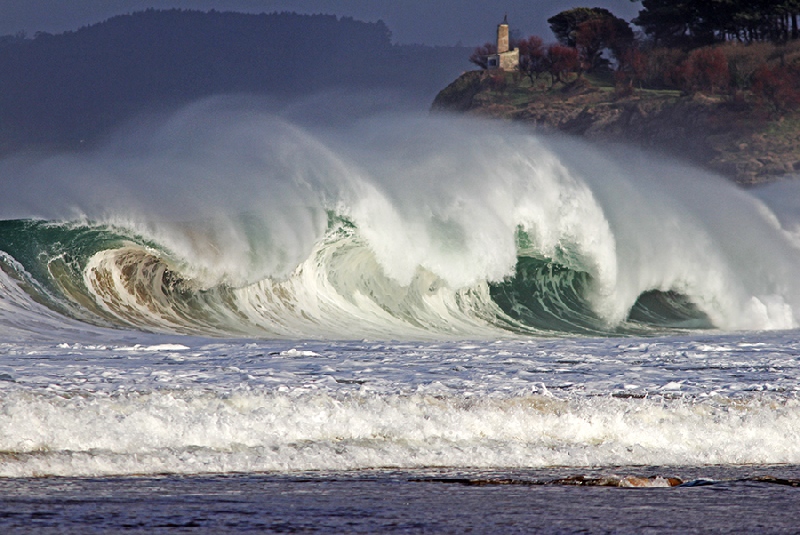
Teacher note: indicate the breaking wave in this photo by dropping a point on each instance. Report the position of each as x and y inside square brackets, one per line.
[226, 220]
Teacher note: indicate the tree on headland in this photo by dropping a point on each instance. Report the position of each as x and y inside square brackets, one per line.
[693, 23]
[632, 70]
[591, 31]
[532, 58]
[596, 35]
[667, 22]
[536, 59]
[561, 60]
[565, 24]
[480, 56]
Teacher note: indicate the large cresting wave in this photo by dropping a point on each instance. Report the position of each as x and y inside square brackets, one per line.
[226, 219]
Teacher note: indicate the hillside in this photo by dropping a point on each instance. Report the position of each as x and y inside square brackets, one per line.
[741, 140]
[61, 90]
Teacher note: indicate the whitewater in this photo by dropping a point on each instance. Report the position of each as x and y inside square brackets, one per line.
[234, 289]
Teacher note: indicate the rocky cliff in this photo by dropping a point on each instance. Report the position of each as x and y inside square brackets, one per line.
[739, 139]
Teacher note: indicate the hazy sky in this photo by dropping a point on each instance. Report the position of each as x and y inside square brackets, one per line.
[435, 22]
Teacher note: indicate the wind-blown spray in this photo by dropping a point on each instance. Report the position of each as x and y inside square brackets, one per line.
[227, 219]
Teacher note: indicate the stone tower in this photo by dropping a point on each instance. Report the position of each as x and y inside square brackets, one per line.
[502, 36]
[505, 58]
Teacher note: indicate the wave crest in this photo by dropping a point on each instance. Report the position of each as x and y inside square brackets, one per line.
[401, 227]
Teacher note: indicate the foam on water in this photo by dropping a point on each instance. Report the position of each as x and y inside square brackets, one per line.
[193, 433]
[202, 406]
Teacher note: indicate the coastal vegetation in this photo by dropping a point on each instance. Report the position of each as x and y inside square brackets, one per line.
[717, 82]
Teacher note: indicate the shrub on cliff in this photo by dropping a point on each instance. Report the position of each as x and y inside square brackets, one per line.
[744, 61]
[661, 66]
[705, 70]
[777, 87]
[498, 81]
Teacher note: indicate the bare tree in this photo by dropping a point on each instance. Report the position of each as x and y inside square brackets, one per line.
[480, 56]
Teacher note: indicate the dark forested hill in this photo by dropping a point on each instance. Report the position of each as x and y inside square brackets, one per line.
[60, 89]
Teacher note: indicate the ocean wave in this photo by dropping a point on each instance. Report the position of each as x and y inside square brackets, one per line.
[232, 223]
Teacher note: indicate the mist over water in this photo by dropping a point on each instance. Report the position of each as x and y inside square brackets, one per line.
[231, 217]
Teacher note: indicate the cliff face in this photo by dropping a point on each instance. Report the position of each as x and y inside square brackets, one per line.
[739, 140]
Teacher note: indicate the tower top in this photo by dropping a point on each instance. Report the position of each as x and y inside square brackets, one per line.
[502, 36]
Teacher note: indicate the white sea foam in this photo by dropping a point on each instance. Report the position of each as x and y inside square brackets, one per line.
[190, 405]
[189, 432]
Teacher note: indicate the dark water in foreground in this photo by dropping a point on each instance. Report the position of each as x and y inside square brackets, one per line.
[407, 502]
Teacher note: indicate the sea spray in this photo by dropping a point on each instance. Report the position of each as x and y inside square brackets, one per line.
[227, 219]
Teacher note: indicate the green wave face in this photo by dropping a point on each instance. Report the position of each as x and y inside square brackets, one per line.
[48, 260]
[110, 276]
[548, 296]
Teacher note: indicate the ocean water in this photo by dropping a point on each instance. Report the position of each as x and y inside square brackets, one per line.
[233, 306]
